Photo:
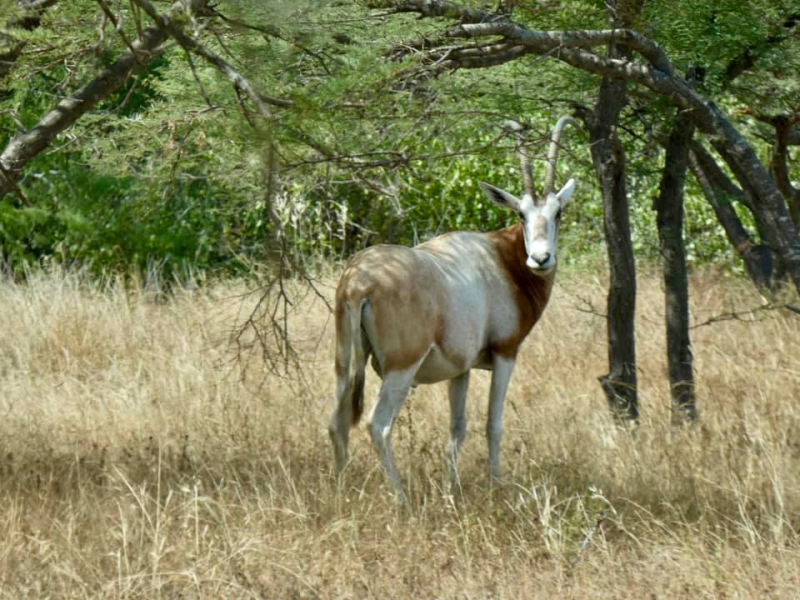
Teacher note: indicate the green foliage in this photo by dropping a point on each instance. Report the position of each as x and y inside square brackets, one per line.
[115, 223]
[169, 170]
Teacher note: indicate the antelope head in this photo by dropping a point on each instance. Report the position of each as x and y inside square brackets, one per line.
[540, 214]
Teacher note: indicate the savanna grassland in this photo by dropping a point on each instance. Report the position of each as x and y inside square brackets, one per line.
[140, 460]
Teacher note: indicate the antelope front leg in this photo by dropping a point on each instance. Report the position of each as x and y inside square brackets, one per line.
[501, 375]
[458, 422]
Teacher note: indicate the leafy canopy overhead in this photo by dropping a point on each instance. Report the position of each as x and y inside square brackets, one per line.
[171, 167]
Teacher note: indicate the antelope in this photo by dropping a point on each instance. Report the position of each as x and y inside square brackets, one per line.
[461, 301]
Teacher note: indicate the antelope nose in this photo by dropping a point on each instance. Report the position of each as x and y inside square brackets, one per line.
[540, 258]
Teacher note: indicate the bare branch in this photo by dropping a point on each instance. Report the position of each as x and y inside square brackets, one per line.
[497, 55]
[740, 315]
[476, 23]
[473, 30]
[201, 88]
[586, 306]
[117, 26]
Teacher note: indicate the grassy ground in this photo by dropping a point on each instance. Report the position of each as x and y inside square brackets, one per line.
[139, 461]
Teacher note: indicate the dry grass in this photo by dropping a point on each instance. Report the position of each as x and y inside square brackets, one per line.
[137, 462]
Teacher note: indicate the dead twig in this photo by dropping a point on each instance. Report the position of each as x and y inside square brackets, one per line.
[118, 28]
[740, 315]
[587, 307]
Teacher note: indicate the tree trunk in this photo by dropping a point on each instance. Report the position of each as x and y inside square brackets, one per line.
[669, 209]
[608, 156]
[780, 155]
[757, 258]
[769, 227]
[768, 205]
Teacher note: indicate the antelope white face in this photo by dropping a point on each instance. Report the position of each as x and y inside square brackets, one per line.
[540, 222]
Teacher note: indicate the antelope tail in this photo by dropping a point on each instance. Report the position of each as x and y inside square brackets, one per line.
[353, 359]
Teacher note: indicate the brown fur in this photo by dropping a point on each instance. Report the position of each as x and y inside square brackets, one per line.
[357, 400]
[531, 292]
[355, 388]
[380, 275]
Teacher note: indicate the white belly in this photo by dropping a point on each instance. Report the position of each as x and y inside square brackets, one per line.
[437, 367]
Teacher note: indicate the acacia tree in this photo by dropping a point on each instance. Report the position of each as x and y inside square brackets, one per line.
[122, 46]
[365, 142]
[485, 39]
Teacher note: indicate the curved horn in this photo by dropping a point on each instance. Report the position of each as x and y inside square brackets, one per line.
[524, 159]
[552, 152]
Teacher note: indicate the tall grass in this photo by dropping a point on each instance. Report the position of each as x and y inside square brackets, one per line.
[139, 460]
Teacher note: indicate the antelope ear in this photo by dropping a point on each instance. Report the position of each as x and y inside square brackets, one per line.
[566, 193]
[500, 197]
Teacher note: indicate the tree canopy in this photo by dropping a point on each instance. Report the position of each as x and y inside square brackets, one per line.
[380, 121]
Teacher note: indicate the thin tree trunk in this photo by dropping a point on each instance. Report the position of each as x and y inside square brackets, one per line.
[757, 258]
[780, 154]
[669, 209]
[766, 221]
[608, 155]
[768, 205]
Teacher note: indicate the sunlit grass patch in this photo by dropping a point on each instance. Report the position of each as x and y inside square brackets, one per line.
[140, 460]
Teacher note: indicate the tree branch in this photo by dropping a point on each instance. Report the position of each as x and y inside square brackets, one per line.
[29, 19]
[241, 83]
[739, 315]
[437, 8]
[716, 175]
[24, 146]
[757, 258]
[780, 155]
[117, 25]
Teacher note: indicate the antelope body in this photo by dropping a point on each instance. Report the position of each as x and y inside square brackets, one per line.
[433, 312]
